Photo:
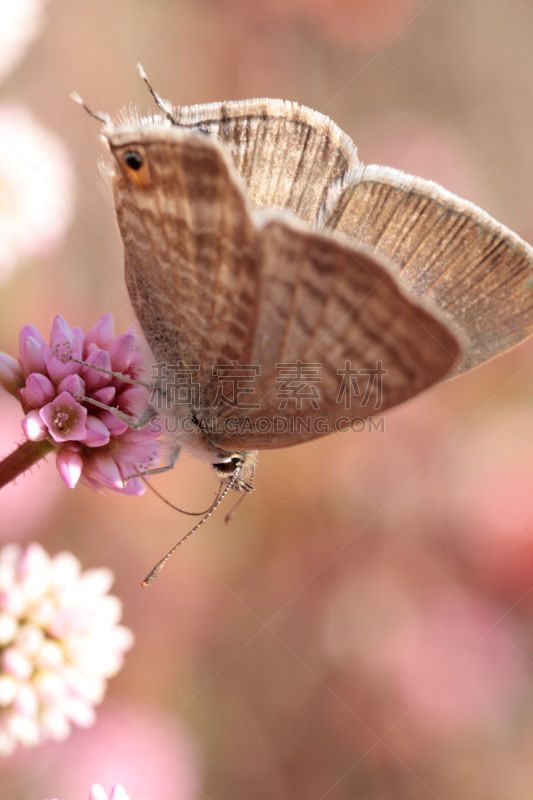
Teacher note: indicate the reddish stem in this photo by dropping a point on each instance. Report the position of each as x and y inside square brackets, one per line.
[25, 456]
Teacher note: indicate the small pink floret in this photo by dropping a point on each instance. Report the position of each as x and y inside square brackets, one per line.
[65, 418]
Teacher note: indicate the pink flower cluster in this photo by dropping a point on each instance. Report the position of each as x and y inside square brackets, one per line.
[59, 642]
[91, 443]
[118, 792]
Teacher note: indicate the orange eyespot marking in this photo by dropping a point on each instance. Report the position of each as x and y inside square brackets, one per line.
[134, 165]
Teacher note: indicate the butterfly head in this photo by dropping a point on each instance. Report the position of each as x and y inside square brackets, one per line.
[132, 161]
[241, 466]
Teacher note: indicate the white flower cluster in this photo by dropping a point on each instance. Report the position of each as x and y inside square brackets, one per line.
[36, 188]
[117, 793]
[59, 642]
[36, 173]
[20, 24]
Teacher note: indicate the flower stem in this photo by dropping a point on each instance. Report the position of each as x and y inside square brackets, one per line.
[25, 456]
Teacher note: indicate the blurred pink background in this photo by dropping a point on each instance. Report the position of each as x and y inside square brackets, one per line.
[363, 628]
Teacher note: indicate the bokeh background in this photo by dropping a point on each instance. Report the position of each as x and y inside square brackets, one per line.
[363, 628]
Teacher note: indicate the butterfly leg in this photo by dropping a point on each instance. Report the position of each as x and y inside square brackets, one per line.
[130, 421]
[125, 378]
[158, 470]
[136, 424]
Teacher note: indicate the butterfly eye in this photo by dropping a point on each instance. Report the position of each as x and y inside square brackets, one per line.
[228, 466]
[133, 159]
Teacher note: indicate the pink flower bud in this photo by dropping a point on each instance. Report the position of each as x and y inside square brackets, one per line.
[39, 390]
[27, 331]
[31, 357]
[35, 429]
[72, 384]
[11, 376]
[122, 350]
[69, 466]
[114, 425]
[97, 433]
[104, 469]
[105, 395]
[133, 398]
[102, 332]
[93, 378]
[60, 333]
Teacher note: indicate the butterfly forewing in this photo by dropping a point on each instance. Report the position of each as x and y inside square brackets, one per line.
[449, 252]
[189, 245]
[330, 307]
[288, 155]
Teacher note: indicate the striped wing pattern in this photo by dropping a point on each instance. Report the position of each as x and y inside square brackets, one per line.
[213, 282]
[189, 247]
[288, 155]
[355, 265]
[449, 252]
[326, 303]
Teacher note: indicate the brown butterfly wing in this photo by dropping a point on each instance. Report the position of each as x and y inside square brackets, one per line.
[189, 245]
[288, 155]
[213, 283]
[327, 304]
[449, 252]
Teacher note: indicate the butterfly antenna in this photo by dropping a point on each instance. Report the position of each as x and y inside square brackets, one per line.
[101, 117]
[159, 566]
[181, 510]
[161, 104]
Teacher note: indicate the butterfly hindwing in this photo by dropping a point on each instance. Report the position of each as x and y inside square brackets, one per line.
[449, 252]
[288, 155]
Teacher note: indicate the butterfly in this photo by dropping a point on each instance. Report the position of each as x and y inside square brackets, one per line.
[261, 255]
